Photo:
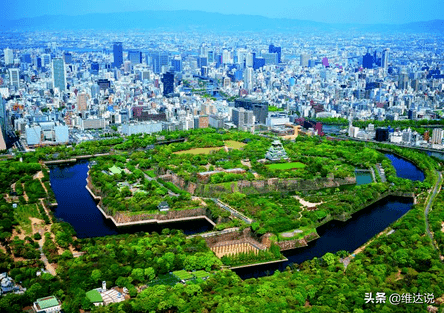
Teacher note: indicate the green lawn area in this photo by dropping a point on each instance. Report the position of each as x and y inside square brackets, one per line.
[200, 274]
[234, 144]
[306, 230]
[167, 279]
[199, 150]
[182, 275]
[94, 296]
[150, 173]
[286, 166]
[23, 213]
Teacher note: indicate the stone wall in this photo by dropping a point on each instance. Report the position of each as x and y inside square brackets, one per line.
[258, 186]
[297, 243]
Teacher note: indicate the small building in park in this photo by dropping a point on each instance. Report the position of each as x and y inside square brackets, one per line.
[163, 206]
[47, 305]
[95, 297]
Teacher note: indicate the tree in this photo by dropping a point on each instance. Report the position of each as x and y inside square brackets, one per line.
[96, 275]
[149, 273]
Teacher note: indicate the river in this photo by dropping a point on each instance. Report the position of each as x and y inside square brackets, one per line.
[76, 206]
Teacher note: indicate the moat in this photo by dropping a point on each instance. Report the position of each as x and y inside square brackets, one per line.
[77, 207]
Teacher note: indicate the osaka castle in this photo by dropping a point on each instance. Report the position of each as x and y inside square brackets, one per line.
[276, 152]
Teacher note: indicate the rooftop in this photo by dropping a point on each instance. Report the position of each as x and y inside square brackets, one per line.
[47, 302]
[94, 296]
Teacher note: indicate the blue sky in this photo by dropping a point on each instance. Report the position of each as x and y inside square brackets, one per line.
[330, 11]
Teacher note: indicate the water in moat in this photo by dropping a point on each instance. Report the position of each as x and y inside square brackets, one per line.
[349, 235]
[77, 207]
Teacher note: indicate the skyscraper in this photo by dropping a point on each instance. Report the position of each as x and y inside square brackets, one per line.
[58, 74]
[177, 65]
[14, 77]
[385, 58]
[242, 118]
[159, 59]
[82, 102]
[367, 61]
[9, 56]
[118, 54]
[135, 57]
[249, 78]
[168, 83]
[278, 50]
[304, 60]
[2, 124]
[67, 57]
[259, 108]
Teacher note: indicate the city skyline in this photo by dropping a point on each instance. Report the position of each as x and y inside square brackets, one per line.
[337, 12]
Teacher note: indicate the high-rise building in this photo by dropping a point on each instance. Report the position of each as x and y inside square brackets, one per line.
[135, 57]
[304, 60]
[14, 77]
[242, 118]
[67, 57]
[249, 76]
[46, 59]
[271, 58]
[168, 83]
[82, 102]
[382, 134]
[210, 56]
[159, 59]
[278, 50]
[385, 58]
[437, 136]
[367, 61]
[2, 124]
[118, 54]
[259, 108]
[9, 56]
[177, 65]
[258, 63]
[249, 60]
[58, 74]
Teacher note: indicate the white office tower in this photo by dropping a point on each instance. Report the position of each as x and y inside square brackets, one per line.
[241, 55]
[14, 77]
[385, 58]
[304, 60]
[203, 50]
[437, 136]
[226, 57]
[9, 56]
[249, 59]
[249, 76]
[59, 74]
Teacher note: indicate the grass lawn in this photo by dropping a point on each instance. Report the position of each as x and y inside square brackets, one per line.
[167, 279]
[23, 213]
[182, 275]
[150, 173]
[200, 274]
[234, 144]
[306, 230]
[199, 150]
[286, 166]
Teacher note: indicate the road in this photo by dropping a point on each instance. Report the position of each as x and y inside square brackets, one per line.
[48, 266]
[429, 205]
[232, 211]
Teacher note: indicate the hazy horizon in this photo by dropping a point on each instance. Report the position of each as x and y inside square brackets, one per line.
[340, 11]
